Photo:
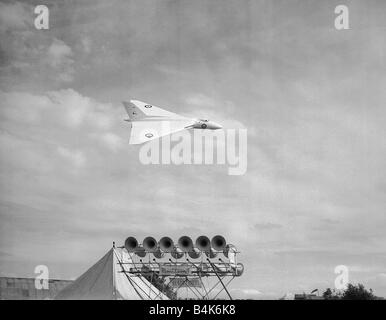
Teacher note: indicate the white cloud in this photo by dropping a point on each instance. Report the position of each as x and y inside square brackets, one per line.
[381, 278]
[112, 141]
[64, 108]
[251, 291]
[22, 106]
[76, 157]
[80, 126]
[86, 44]
[71, 106]
[101, 116]
[246, 293]
[364, 268]
[200, 100]
[31, 57]
[77, 110]
[58, 52]
[59, 56]
[13, 16]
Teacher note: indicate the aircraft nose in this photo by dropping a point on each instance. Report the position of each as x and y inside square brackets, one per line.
[217, 126]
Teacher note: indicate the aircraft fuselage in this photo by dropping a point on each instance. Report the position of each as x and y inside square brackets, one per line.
[206, 124]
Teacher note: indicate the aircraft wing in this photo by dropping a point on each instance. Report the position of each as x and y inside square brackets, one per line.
[143, 131]
[142, 110]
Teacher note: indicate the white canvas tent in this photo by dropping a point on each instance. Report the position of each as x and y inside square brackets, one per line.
[108, 280]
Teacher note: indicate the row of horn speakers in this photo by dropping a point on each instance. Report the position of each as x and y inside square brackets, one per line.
[184, 246]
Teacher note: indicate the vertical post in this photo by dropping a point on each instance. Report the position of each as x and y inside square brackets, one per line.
[114, 257]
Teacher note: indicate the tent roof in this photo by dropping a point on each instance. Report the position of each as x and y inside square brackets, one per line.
[107, 279]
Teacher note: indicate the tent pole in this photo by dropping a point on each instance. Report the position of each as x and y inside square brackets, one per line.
[114, 288]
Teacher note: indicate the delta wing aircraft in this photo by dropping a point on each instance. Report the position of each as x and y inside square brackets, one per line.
[149, 122]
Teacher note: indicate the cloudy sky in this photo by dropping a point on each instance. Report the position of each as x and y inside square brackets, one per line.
[312, 99]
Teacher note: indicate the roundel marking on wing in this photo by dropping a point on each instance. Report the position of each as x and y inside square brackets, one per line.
[203, 126]
[148, 135]
[148, 106]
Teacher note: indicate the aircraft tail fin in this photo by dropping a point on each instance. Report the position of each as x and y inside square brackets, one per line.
[133, 111]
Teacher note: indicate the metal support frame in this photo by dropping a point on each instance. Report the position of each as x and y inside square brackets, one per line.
[158, 270]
